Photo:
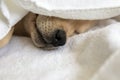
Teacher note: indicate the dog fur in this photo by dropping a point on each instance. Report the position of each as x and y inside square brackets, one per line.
[32, 24]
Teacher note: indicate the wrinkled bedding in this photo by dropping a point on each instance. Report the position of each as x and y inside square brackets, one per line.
[94, 55]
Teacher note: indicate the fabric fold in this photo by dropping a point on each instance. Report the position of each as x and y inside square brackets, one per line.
[10, 14]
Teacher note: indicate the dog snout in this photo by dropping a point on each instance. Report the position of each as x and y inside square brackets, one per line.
[59, 38]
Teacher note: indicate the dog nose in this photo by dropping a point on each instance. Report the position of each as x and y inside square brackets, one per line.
[59, 38]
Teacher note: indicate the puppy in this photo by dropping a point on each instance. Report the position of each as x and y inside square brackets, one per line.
[50, 32]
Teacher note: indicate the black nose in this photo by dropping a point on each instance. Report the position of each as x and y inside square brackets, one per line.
[59, 38]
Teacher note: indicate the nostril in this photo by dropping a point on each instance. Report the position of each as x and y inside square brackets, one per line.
[59, 38]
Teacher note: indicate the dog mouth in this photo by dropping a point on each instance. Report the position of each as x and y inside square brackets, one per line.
[45, 35]
[57, 38]
[40, 42]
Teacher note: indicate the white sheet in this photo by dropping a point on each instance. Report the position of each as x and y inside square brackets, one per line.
[74, 9]
[10, 14]
[94, 55]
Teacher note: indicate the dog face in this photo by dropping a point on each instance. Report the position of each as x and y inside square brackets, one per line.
[51, 32]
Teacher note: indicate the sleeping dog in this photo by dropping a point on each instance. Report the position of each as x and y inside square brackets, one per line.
[48, 32]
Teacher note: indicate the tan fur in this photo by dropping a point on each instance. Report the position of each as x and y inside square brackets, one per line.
[6, 39]
[47, 25]
[72, 27]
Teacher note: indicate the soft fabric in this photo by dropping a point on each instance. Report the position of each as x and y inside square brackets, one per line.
[10, 14]
[11, 11]
[94, 55]
[74, 9]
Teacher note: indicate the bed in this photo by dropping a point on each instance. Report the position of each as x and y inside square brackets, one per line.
[94, 55]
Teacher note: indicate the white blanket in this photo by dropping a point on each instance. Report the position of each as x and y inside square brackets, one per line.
[94, 55]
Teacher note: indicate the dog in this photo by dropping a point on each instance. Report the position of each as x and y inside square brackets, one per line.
[48, 32]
